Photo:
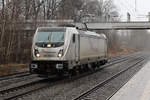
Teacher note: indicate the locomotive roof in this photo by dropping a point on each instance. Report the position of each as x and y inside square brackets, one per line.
[91, 33]
[50, 28]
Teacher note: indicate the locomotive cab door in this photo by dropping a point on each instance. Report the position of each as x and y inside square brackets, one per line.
[77, 47]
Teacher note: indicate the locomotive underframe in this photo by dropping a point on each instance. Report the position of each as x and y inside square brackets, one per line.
[48, 67]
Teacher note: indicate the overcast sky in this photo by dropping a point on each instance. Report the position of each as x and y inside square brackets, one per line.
[138, 10]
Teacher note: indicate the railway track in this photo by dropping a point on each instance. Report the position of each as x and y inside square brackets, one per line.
[39, 83]
[22, 74]
[19, 76]
[12, 91]
[69, 89]
[16, 75]
[101, 84]
[115, 58]
[120, 59]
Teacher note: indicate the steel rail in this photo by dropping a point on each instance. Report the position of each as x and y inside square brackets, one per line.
[15, 75]
[122, 85]
[96, 87]
[115, 58]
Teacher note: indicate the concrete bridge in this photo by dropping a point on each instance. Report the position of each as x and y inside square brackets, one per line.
[31, 26]
[97, 26]
[119, 25]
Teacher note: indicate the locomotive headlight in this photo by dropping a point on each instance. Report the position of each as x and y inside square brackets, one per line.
[60, 53]
[36, 53]
[48, 45]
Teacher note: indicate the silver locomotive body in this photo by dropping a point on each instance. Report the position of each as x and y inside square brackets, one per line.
[63, 49]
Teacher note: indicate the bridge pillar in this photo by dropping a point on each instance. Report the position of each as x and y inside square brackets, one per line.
[128, 17]
[149, 16]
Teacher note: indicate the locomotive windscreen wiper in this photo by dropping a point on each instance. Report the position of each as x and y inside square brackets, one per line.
[49, 37]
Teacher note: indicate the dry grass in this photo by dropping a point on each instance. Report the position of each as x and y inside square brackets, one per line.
[121, 52]
[12, 68]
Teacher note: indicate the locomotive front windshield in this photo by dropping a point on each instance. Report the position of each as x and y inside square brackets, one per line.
[50, 36]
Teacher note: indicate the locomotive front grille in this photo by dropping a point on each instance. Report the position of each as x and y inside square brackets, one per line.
[48, 68]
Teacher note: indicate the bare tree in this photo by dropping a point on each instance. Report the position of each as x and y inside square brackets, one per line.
[50, 8]
[36, 7]
[27, 9]
[69, 9]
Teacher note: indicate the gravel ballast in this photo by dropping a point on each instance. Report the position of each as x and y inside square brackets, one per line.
[69, 90]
